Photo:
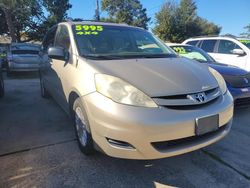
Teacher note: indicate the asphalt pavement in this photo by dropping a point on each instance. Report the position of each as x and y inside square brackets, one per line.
[38, 149]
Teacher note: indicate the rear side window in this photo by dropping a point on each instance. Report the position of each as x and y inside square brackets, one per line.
[208, 45]
[227, 47]
[193, 43]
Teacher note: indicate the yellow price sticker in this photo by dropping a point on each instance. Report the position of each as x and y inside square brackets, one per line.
[180, 50]
[245, 41]
[88, 29]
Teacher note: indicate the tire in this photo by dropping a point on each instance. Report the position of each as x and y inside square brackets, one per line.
[1, 87]
[82, 128]
[44, 91]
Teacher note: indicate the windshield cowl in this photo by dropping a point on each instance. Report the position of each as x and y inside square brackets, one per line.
[113, 57]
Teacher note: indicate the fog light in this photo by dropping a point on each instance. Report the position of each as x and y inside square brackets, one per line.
[119, 144]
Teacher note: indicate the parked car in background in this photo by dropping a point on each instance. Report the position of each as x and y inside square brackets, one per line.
[238, 80]
[225, 49]
[1, 81]
[129, 94]
[23, 57]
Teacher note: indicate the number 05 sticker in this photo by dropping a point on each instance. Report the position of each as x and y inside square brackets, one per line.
[88, 29]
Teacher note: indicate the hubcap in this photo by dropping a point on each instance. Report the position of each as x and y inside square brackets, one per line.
[81, 126]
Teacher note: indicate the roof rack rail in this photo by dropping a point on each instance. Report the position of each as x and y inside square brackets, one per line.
[82, 20]
[229, 35]
[226, 35]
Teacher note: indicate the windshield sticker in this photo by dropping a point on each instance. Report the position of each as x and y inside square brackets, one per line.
[180, 50]
[194, 55]
[245, 41]
[88, 29]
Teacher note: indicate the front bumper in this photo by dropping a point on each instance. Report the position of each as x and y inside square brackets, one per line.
[142, 128]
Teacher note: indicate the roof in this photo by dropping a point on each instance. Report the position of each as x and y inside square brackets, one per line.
[221, 36]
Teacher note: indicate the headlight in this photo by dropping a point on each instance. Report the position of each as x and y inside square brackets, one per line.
[121, 91]
[220, 80]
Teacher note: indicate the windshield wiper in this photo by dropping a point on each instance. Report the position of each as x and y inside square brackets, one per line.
[110, 57]
[102, 57]
[159, 56]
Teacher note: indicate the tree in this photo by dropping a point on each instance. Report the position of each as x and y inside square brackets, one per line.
[247, 33]
[7, 7]
[126, 11]
[57, 9]
[56, 12]
[167, 23]
[26, 19]
[4, 27]
[177, 22]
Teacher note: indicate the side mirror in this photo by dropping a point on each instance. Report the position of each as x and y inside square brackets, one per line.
[57, 53]
[239, 52]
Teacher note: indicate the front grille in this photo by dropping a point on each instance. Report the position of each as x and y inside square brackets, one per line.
[238, 81]
[184, 96]
[191, 107]
[179, 143]
[188, 101]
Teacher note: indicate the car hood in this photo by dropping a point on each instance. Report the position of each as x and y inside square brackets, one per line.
[224, 69]
[159, 76]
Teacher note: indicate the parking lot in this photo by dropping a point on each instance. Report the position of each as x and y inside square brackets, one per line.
[38, 149]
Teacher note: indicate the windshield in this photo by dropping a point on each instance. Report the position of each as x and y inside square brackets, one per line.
[246, 43]
[192, 52]
[110, 42]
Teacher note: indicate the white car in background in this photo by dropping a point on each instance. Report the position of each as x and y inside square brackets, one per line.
[23, 57]
[225, 49]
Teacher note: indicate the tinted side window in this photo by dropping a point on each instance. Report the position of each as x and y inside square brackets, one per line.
[193, 43]
[49, 39]
[62, 38]
[226, 47]
[208, 45]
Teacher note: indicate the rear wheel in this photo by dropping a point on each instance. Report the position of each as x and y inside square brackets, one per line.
[44, 91]
[84, 138]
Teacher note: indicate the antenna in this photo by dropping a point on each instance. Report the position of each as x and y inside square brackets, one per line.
[97, 11]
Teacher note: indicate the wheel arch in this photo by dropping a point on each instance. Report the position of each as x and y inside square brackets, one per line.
[72, 97]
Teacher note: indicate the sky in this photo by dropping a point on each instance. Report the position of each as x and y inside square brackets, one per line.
[231, 15]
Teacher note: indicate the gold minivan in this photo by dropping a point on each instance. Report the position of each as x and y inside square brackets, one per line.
[129, 94]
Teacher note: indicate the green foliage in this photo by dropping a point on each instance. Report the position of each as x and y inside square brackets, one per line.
[126, 11]
[57, 9]
[247, 33]
[4, 27]
[27, 17]
[177, 22]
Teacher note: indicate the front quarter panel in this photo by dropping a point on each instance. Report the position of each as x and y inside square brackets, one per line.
[81, 78]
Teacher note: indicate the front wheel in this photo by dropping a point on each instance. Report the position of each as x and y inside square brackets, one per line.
[84, 138]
